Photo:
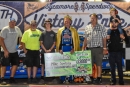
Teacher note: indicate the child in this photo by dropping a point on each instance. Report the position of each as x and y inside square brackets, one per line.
[47, 42]
[114, 15]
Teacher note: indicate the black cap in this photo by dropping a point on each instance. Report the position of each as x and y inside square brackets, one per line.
[115, 20]
[46, 22]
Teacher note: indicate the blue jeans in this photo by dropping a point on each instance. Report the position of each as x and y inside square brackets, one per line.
[119, 28]
[116, 58]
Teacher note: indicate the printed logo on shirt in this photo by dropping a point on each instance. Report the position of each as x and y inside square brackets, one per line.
[12, 32]
[66, 36]
[52, 35]
[34, 35]
[66, 31]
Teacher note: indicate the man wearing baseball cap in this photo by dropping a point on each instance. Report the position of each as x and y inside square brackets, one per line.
[9, 38]
[31, 47]
[47, 43]
[115, 46]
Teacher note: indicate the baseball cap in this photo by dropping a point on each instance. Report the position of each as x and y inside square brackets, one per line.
[33, 22]
[115, 20]
[12, 19]
[47, 21]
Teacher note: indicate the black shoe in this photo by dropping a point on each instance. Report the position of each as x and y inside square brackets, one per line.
[12, 80]
[61, 82]
[98, 81]
[41, 81]
[3, 82]
[91, 82]
[34, 80]
[29, 81]
[122, 83]
[55, 81]
[112, 83]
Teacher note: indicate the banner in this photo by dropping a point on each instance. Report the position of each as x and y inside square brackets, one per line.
[80, 11]
[78, 63]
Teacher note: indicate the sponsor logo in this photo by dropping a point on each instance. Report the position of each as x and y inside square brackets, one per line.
[7, 71]
[7, 12]
[76, 7]
[107, 65]
[22, 71]
[31, 6]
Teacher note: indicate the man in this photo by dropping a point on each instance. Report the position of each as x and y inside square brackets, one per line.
[67, 38]
[31, 47]
[115, 46]
[95, 40]
[9, 37]
[47, 42]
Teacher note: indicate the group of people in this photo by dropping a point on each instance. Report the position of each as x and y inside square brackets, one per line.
[66, 40]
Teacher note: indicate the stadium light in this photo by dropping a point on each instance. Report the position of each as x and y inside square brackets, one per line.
[43, 0]
[91, 0]
[127, 0]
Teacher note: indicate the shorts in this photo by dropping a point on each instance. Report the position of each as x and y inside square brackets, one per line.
[97, 56]
[32, 58]
[13, 59]
[42, 59]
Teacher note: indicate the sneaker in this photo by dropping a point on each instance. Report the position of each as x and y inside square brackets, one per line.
[29, 81]
[89, 82]
[54, 81]
[3, 82]
[12, 80]
[92, 81]
[41, 81]
[34, 80]
[98, 81]
[112, 82]
[121, 83]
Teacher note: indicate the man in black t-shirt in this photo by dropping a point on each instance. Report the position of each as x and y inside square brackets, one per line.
[47, 42]
[115, 46]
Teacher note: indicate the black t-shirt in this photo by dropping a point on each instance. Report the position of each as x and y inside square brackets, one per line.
[115, 43]
[48, 38]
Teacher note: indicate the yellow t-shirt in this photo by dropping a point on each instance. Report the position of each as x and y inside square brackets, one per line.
[31, 39]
